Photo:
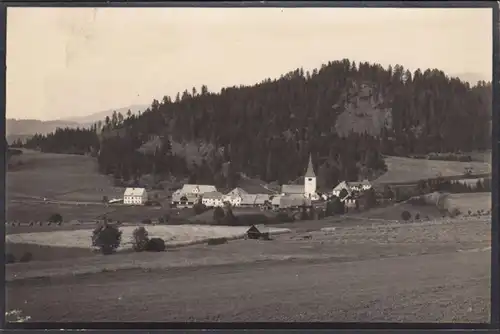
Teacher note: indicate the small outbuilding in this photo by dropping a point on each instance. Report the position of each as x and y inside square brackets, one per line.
[253, 232]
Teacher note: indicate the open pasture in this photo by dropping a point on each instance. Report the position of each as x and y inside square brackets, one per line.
[470, 201]
[401, 170]
[136, 214]
[393, 212]
[355, 266]
[57, 176]
[174, 235]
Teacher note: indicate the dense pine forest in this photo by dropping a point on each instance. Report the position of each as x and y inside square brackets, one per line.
[269, 129]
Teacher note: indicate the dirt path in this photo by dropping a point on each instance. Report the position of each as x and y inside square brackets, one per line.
[452, 287]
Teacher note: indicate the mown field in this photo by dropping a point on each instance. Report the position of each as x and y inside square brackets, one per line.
[402, 170]
[420, 272]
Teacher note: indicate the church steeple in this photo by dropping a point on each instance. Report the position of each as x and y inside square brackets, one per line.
[310, 168]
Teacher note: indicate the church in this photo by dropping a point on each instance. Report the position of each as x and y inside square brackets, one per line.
[308, 189]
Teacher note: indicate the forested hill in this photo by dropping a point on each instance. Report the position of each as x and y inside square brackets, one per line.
[345, 114]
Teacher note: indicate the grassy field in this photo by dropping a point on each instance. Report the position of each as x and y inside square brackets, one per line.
[207, 217]
[412, 170]
[58, 176]
[465, 202]
[26, 212]
[347, 275]
[47, 253]
[173, 235]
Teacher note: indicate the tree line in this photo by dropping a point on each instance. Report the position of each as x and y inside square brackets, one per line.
[269, 129]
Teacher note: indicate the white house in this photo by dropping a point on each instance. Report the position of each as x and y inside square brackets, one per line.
[234, 197]
[212, 199]
[234, 200]
[135, 196]
[351, 186]
[360, 186]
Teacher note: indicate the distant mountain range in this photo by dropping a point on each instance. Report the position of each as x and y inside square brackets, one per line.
[101, 115]
[25, 128]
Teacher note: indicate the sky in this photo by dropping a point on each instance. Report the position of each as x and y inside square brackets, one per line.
[69, 62]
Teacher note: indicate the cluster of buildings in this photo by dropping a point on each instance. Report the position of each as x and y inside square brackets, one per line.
[290, 195]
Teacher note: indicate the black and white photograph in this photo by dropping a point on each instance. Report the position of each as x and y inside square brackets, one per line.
[259, 164]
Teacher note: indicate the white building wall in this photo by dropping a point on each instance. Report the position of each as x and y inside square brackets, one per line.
[309, 186]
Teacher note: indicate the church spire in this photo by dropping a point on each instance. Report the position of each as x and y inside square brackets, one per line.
[310, 168]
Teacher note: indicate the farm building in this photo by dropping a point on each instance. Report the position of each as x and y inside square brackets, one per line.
[237, 192]
[184, 200]
[292, 189]
[212, 199]
[360, 186]
[351, 186]
[135, 196]
[234, 196]
[293, 201]
[248, 200]
[234, 200]
[197, 189]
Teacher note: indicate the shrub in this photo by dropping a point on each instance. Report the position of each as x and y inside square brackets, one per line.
[454, 212]
[10, 258]
[417, 216]
[146, 221]
[218, 214]
[155, 245]
[27, 257]
[55, 218]
[140, 239]
[199, 208]
[216, 241]
[405, 215]
[469, 212]
[105, 199]
[107, 238]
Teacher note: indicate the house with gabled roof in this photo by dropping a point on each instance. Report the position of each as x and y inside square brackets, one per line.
[213, 199]
[135, 196]
[351, 187]
[197, 189]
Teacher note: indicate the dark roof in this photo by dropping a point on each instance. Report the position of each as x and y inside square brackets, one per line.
[253, 187]
[253, 228]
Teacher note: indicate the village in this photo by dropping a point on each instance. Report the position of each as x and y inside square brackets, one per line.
[289, 197]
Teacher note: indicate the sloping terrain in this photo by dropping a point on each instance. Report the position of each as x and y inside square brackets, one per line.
[400, 170]
[400, 273]
[38, 175]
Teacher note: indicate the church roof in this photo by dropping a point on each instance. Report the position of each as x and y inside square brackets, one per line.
[310, 168]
